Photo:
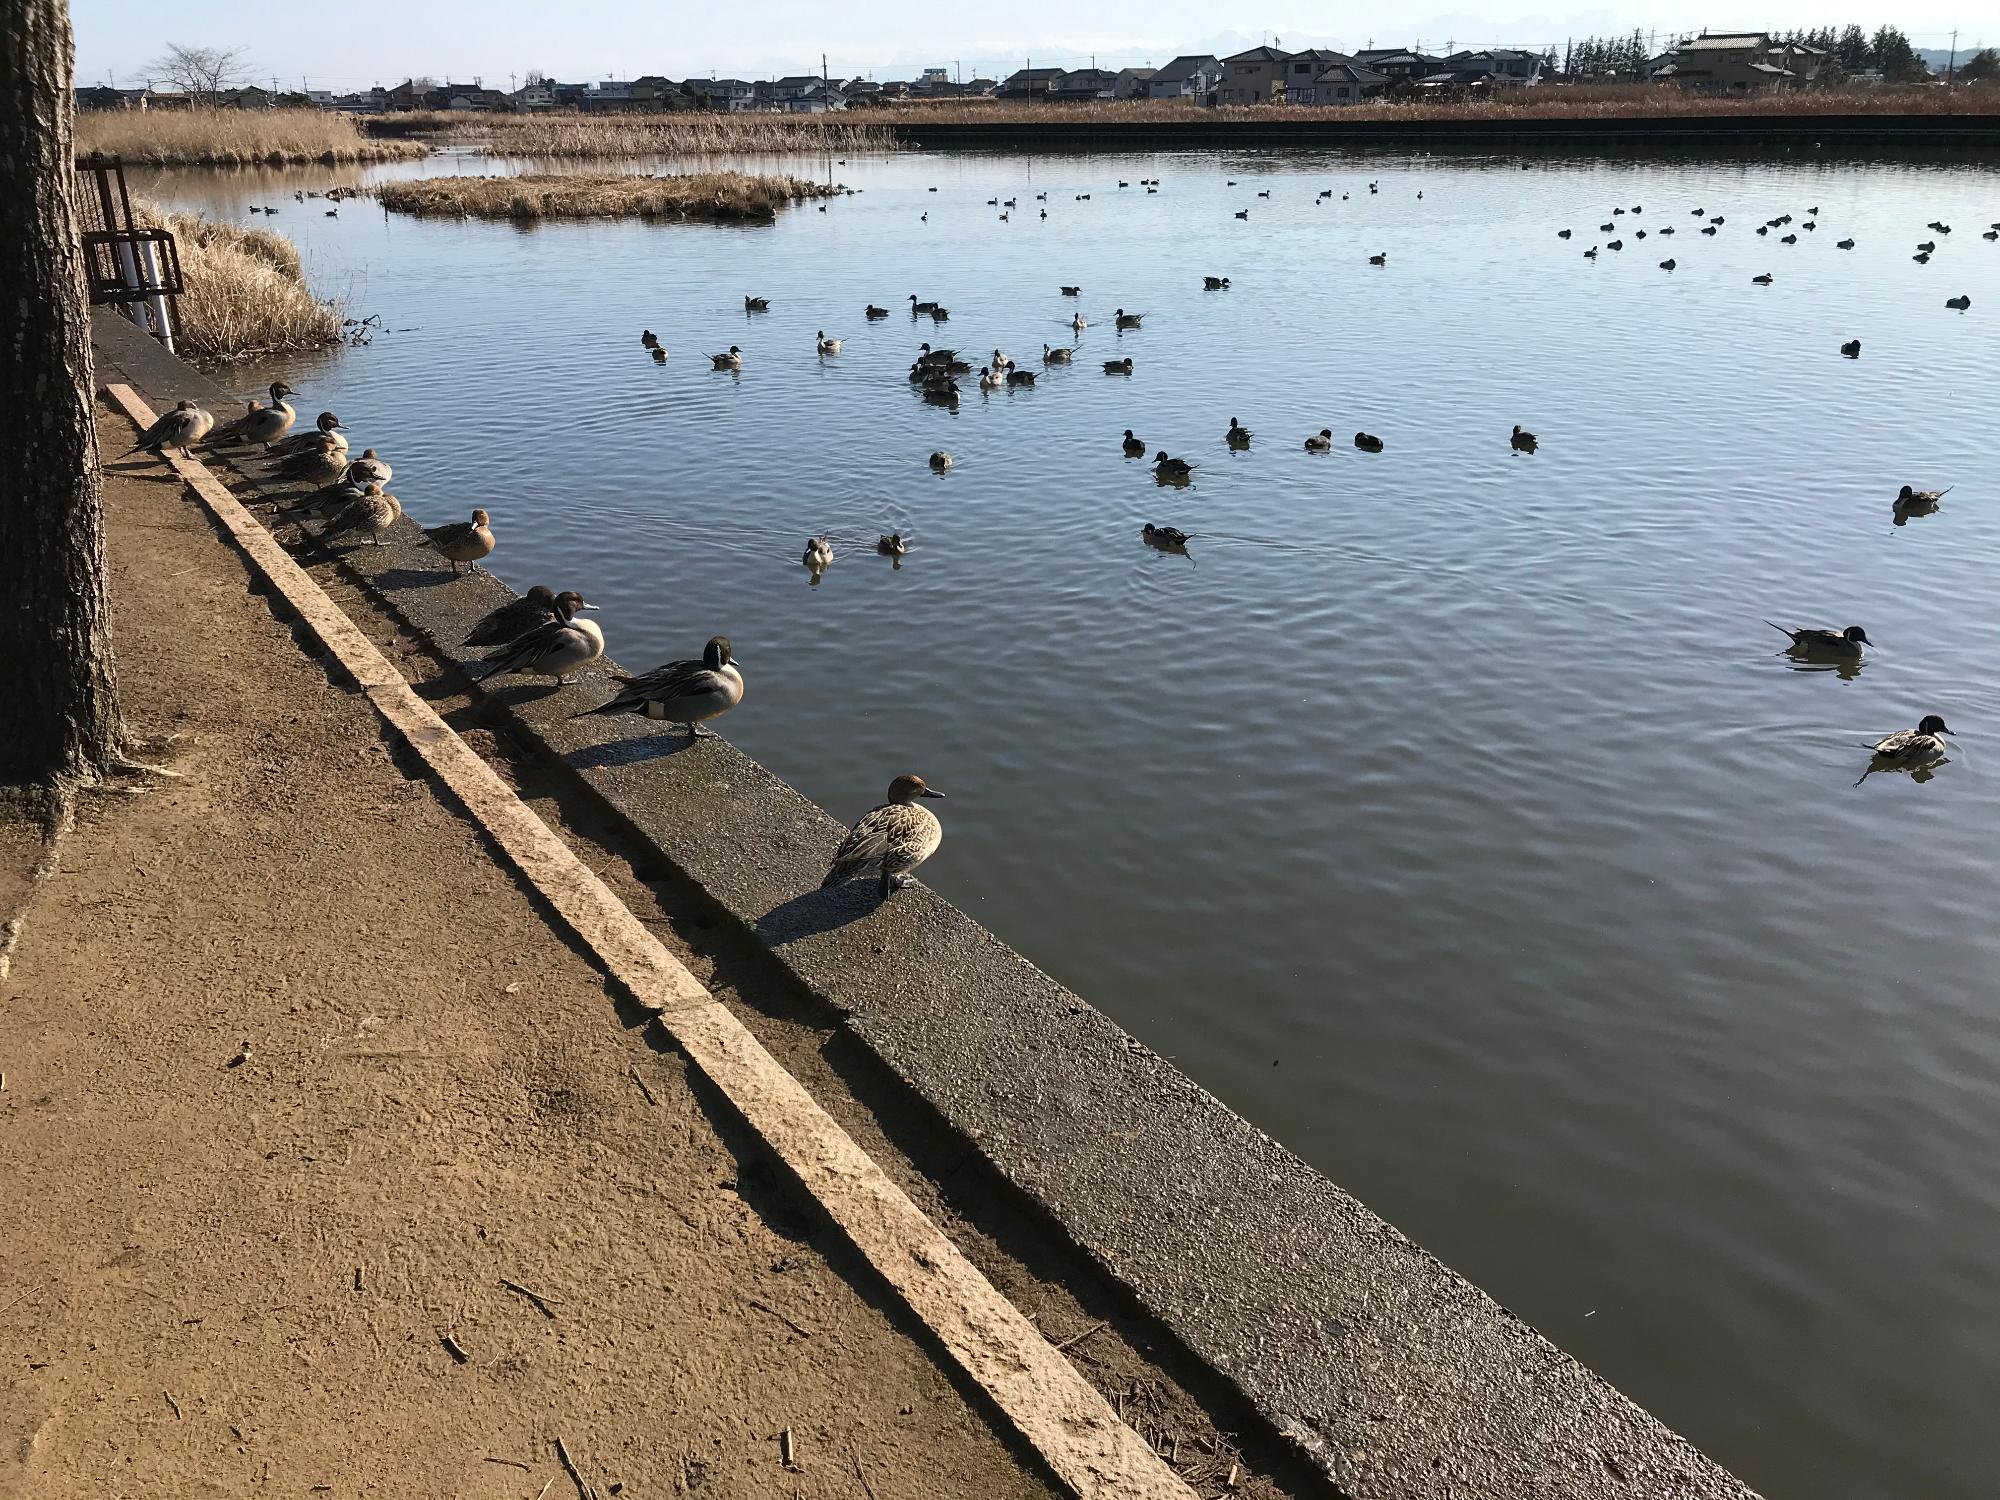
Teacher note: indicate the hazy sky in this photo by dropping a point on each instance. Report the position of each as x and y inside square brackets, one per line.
[362, 42]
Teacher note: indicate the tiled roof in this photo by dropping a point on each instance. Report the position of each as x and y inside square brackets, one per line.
[1732, 43]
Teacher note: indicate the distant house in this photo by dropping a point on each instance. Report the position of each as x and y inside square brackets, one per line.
[106, 97]
[1254, 77]
[859, 89]
[1803, 62]
[894, 89]
[369, 103]
[534, 98]
[820, 99]
[1399, 64]
[1497, 65]
[245, 98]
[1342, 83]
[1085, 86]
[1301, 68]
[1191, 77]
[1035, 84]
[785, 90]
[726, 95]
[1736, 62]
[1131, 83]
[931, 78]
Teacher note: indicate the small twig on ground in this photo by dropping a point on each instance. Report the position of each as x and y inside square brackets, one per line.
[583, 1486]
[547, 1487]
[862, 1475]
[634, 1071]
[765, 1307]
[175, 1405]
[1076, 1338]
[451, 1347]
[541, 1302]
[360, 1278]
[512, 1463]
[788, 1453]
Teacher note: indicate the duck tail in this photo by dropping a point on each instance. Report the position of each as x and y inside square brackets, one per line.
[1780, 628]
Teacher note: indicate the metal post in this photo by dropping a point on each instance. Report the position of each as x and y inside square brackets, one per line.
[163, 323]
[128, 268]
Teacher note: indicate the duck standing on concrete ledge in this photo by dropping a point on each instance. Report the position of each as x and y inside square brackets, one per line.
[894, 838]
[554, 649]
[463, 541]
[682, 692]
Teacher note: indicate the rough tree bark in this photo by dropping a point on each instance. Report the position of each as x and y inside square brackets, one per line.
[58, 694]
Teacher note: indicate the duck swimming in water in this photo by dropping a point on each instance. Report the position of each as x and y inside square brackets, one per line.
[1367, 442]
[1166, 538]
[1118, 366]
[1171, 468]
[892, 545]
[827, 345]
[554, 649]
[1057, 356]
[733, 360]
[819, 554]
[1215, 283]
[1522, 440]
[756, 304]
[1321, 441]
[682, 692]
[1909, 749]
[940, 461]
[874, 312]
[1134, 447]
[1123, 319]
[893, 839]
[1238, 436]
[1812, 641]
[1908, 496]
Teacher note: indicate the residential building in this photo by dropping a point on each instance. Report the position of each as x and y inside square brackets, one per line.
[1737, 62]
[1085, 86]
[1254, 77]
[1192, 77]
[534, 98]
[785, 90]
[1803, 62]
[820, 99]
[1131, 83]
[369, 103]
[859, 89]
[1399, 64]
[1036, 84]
[1301, 68]
[1342, 83]
[727, 95]
[1510, 66]
[931, 78]
[106, 97]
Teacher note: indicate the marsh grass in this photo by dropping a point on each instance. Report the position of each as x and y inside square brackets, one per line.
[696, 133]
[246, 291]
[233, 137]
[695, 195]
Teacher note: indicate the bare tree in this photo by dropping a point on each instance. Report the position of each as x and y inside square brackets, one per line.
[201, 72]
[60, 726]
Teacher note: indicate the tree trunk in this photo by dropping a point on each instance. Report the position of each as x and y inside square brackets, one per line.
[58, 698]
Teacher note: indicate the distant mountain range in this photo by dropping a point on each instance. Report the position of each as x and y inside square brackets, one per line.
[1937, 59]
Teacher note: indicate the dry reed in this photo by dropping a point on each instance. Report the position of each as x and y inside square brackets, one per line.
[696, 195]
[246, 292]
[697, 133]
[232, 137]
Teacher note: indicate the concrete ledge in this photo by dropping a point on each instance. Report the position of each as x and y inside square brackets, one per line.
[1399, 1377]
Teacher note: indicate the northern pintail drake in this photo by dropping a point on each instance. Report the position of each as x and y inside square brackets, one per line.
[940, 461]
[942, 393]
[1367, 442]
[733, 360]
[1909, 749]
[682, 692]
[1118, 366]
[1379, 260]
[515, 618]
[1321, 441]
[1169, 538]
[991, 379]
[920, 307]
[1134, 447]
[368, 467]
[1215, 283]
[827, 345]
[648, 339]
[554, 649]
[1020, 377]
[1813, 641]
[1171, 468]
[326, 425]
[892, 545]
[1001, 361]
[1078, 323]
[1522, 440]
[1052, 356]
[1852, 348]
[1765, 280]
[876, 312]
[892, 839]
[1071, 291]
[1908, 496]
[756, 304]
[819, 554]
[323, 463]
[372, 515]
[463, 541]
[261, 424]
[180, 428]
[942, 359]
[1123, 319]
[1238, 436]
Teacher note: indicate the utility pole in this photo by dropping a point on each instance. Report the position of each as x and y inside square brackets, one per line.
[1951, 67]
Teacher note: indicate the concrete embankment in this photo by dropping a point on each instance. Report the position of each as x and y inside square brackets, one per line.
[1397, 1376]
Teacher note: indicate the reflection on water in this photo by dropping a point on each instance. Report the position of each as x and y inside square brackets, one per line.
[1507, 880]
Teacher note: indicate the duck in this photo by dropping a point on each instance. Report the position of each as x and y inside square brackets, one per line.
[892, 545]
[554, 648]
[875, 312]
[1522, 441]
[1020, 377]
[1071, 291]
[1922, 257]
[1166, 538]
[321, 464]
[374, 513]
[1238, 436]
[756, 304]
[463, 541]
[1958, 304]
[1614, 244]
[1907, 496]
[1814, 641]
[819, 554]
[1078, 323]
[180, 428]
[1171, 468]
[1265, 193]
[1118, 366]
[1242, 213]
[1763, 229]
[920, 307]
[892, 839]
[1321, 441]
[827, 345]
[1668, 264]
[1052, 356]
[659, 356]
[1134, 447]
[945, 393]
[991, 379]
[733, 360]
[1843, 244]
[1928, 246]
[682, 692]
[1563, 234]
[1718, 219]
[1123, 319]
[1765, 280]
[1790, 239]
[1665, 229]
[1001, 361]
[940, 359]
[1215, 283]
[940, 315]
[1367, 442]
[1852, 348]
[1591, 253]
[1379, 260]
[368, 468]
[1809, 224]
[648, 339]
[1708, 229]
[1083, 197]
[1991, 234]
[1909, 749]
[515, 618]
[1606, 228]
[262, 425]
[325, 425]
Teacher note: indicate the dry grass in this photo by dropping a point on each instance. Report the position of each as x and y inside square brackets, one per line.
[1557, 101]
[246, 294]
[696, 195]
[232, 137]
[686, 134]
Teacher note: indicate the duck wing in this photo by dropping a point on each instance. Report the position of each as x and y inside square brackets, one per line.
[509, 622]
[530, 651]
[891, 828]
[676, 681]
[451, 534]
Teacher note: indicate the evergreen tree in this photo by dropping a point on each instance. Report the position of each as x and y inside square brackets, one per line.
[1852, 49]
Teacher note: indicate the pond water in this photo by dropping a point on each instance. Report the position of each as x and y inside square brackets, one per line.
[1446, 810]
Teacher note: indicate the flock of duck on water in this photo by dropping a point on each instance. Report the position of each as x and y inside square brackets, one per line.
[548, 634]
[542, 634]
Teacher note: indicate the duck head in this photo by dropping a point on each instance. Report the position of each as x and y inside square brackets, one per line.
[479, 517]
[1932, 724]
[570, 602]
[717, 654]
[543, 595]
[1857, 635]
[909, 787]
[328, 422]
[279, 390]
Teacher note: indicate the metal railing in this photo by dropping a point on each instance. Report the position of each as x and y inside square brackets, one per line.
[130, 267]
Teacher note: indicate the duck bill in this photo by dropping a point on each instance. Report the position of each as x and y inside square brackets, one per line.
[931, 791]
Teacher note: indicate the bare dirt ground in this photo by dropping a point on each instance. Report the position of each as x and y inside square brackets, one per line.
[331, 1170]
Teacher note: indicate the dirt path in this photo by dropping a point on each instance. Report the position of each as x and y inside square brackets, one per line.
[289, 1275]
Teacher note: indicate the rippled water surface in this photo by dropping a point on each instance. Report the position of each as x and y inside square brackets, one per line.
[1445, 810]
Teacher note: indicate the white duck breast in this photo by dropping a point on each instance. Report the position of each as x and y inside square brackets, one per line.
[683, 692]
